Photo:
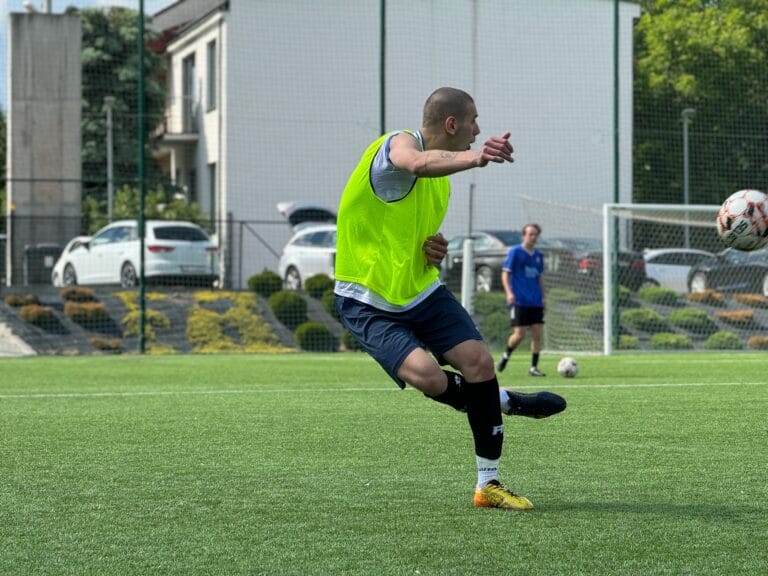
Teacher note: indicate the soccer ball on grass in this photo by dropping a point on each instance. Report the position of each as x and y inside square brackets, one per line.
[742, 222]
[567, 367]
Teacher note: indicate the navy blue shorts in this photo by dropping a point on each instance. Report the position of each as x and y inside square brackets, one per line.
[437, 324]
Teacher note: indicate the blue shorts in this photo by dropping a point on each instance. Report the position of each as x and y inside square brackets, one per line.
[438, 324]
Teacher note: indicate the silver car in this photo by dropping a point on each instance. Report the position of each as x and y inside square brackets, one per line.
[669, 267]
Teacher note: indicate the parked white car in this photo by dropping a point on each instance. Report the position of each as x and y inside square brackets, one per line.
[669, 267]
[312, 250]
[174, 251]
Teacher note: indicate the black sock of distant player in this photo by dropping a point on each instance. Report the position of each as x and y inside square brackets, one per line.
[509, 350]
[484, 415]
[454, 394]
[535, 359]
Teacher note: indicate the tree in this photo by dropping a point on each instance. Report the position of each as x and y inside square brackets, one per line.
[710, 55]
[110, 68]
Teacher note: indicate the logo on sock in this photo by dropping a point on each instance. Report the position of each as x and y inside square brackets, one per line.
[497, 430]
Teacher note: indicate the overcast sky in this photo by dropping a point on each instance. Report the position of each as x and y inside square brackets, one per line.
[58, 6]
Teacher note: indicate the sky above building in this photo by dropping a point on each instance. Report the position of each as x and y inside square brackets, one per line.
[57, 7]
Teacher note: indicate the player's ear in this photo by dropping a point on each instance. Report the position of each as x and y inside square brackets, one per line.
[450, 125]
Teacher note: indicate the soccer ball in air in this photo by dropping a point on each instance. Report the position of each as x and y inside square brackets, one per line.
[742, 222]
[567, 367]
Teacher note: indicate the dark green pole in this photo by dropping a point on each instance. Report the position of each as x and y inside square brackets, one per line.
[616, 196]
[142, 183]
[382, 66]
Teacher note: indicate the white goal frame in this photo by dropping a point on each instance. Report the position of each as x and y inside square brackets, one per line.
[611, 241]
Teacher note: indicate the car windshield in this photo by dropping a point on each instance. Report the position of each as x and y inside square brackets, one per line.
[185, 233]
[508, 237]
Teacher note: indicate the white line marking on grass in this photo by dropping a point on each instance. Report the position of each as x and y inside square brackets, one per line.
[393, 388]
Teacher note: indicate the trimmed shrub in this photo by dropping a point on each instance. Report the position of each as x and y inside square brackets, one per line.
[106, 344]
[92, 315]
[757, 343]
[152, 319]
[708, 297]
[289, 308]
[724, 340]
[19, 300]
[644, 319]
[41, 316]
[315, 337]
[486, 303]
[754, 300]
[669, 341]
[590, 315]
[736, 317]
[266, 283]
[659, 295]
[628, 342]
[495, 328]
[349, 342]
[563, 295]
[77, 294]
[693, 320]
[316, 285]
[328, 301]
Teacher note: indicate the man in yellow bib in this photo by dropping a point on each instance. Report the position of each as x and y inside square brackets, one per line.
[388, 292]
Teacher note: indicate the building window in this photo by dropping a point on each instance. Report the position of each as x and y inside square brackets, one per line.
[212, 72]
[188, 94]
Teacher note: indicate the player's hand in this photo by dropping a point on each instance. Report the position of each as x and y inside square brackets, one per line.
[496, 149]
[435, 248]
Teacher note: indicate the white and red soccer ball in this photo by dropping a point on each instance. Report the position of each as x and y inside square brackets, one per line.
[742, 222]
[568, 367]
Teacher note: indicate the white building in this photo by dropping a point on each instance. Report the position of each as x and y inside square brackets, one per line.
[275, 100]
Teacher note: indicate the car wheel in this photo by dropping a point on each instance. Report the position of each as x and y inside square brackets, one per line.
[128, 277]
[292, 279]
[765, 285]
[698, 283]
[69, 278]
[483, 279]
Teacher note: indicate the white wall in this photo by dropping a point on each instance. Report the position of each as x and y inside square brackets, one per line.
[301, 101]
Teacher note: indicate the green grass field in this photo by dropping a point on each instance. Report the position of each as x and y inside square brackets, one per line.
[318, 464]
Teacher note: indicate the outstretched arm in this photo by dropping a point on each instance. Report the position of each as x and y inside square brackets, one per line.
[405, 154]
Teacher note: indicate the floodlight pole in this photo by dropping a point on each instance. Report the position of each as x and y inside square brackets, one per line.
[686, 115]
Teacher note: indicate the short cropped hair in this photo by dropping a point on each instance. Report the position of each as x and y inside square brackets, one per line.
[538, 228]
[445, 102]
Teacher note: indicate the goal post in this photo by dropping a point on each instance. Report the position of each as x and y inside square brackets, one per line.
[635, 228]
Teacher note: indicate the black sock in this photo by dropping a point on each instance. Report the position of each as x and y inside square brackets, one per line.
[509, 351]
[454, 394]
[484, 415]
[535, 359]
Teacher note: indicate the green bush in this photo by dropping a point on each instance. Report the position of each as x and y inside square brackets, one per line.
[77, 294]
[693, 320]
[563, 295]
[19, 300]
[659, 295]
[669, 341]
[486, 303]
[152, 319]
[644, 319]
[266, 283]
[41, 316]
[328, 301]
[315, 337]
[495, 328]
[289, 308]
[628, 342]
[724, 340]
[91, 315]
[590, 315]
[316, 285]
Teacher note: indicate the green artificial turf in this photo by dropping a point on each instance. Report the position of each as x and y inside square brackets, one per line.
[317, 464]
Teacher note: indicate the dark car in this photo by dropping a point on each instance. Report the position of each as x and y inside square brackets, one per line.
[631, 269]
[732, 271]
[490, 251]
